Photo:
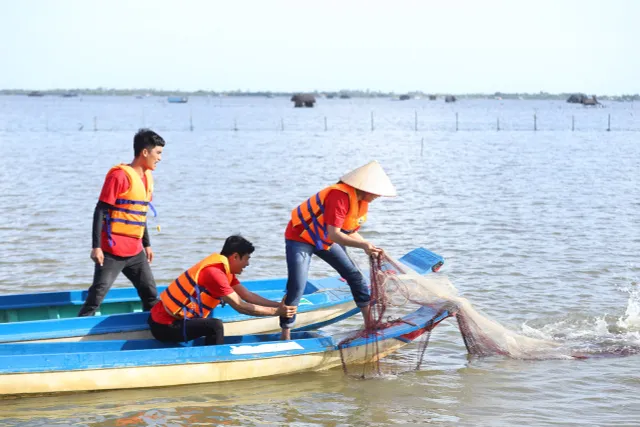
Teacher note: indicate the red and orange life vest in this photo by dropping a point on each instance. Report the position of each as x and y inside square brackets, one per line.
[184, 297]
[311, 215]
[128, 217]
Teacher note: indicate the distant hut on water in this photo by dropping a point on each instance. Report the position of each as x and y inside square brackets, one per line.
[450, 98]
[581, 98]
[303, 100]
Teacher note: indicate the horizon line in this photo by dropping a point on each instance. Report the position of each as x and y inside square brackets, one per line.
[288, 92]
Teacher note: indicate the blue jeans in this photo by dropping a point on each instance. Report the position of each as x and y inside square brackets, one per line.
[298, 261]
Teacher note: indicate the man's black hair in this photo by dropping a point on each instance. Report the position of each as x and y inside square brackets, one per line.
[146, 138]
[237, 244]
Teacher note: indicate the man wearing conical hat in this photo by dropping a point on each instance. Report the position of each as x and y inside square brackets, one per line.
[324, 224]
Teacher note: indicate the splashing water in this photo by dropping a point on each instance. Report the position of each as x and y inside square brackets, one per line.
[631, 318]
[396, 288]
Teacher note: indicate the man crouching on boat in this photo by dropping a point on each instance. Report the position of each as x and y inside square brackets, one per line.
[184, 307]
[327, 222]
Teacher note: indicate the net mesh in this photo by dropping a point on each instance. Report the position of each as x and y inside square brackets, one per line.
[397, 290]
[392, 296]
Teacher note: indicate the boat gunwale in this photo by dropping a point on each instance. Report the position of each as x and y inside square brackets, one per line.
[137, 322]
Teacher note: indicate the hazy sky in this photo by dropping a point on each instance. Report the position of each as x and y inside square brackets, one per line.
[433, 46]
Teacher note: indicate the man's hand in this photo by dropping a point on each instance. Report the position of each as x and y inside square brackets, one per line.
[149, 253]
[287, 311]
[97, 256]
[370, 249]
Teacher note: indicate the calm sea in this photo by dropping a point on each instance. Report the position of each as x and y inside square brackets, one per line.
[540, 230]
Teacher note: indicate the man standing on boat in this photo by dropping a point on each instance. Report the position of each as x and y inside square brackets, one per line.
[184, 308]
[327, 222]
[120, 237]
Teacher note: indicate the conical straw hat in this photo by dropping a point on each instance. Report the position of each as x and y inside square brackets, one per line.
[370, 178]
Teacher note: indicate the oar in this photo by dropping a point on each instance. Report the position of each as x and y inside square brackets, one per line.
[422, 260]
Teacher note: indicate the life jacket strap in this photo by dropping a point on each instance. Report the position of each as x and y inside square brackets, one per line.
[318, 240]
[131, 202]
[129, 211]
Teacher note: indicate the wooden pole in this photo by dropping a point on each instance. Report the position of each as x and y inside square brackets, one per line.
[191, 121]
[416, 120]
[421, 147]
[498, 124]
[372, 125]
[535, 122]
[235, 125]
[282, 124]
[609, 124]
[573, 123]
[325, 123]
[456, 122]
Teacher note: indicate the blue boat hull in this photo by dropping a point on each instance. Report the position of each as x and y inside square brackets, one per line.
[325, 301]
[104, 365]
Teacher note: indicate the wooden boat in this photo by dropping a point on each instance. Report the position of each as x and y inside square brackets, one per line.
[66, 304]
[325, 301]
[107, 365]
[50, 316]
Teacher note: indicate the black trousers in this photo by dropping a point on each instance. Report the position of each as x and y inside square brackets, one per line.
[210, 328]
[137, 270]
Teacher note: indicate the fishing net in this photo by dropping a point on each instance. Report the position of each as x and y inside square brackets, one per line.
[393, 295]
[397, 290]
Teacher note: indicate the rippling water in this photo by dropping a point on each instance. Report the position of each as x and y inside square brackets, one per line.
[540, 231]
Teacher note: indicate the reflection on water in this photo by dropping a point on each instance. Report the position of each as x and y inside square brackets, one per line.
[183, 405]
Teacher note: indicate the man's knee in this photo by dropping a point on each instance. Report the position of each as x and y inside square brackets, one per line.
[148, 304]
[359, 290]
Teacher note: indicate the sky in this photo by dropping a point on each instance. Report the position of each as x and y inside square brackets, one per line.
[440, 46]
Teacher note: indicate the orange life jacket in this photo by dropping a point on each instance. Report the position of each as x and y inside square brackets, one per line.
[184, 297]
[311, 215]
[128, 217]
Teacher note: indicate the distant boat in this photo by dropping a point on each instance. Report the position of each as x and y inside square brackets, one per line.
[69, 95]
[177, 99]
[35, 93]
